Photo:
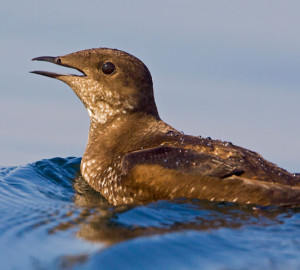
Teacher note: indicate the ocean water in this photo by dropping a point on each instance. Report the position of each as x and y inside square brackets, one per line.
[50, 219]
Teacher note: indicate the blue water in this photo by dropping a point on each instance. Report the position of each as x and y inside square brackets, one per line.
[50, 219]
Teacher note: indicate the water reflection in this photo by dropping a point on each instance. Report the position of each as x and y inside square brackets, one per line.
[100, 222]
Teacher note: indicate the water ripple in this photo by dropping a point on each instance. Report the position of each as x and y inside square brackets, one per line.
[51, 219]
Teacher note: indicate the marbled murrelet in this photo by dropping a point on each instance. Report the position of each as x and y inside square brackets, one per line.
[132, 156]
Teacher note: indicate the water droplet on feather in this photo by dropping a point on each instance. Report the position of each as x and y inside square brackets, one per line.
[172, 133]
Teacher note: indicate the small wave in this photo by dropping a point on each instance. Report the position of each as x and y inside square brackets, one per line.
[50, 218]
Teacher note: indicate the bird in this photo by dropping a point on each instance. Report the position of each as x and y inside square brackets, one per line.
[134, 157]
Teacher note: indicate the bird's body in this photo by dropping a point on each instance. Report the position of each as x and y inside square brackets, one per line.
[132, 156]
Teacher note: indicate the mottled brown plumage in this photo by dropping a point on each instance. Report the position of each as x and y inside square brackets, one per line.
[132, 156]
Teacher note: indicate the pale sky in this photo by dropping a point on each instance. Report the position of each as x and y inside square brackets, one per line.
[224, 69]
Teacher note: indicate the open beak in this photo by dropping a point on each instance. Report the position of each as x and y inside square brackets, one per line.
[55, 60]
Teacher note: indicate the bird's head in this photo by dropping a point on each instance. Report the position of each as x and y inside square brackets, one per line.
[113, 82]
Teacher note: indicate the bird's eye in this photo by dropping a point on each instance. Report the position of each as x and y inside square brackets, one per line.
[108, 68]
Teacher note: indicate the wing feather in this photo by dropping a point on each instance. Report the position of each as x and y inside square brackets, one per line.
[184, 160]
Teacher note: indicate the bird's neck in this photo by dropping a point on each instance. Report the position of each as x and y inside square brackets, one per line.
[121, 134]
[103, 113]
